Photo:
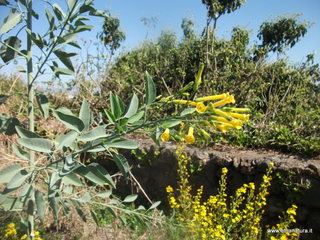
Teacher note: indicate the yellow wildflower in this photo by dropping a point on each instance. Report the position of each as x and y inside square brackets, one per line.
[165, 136]
[224, 170]
[251, 185]
[169, 189]
[24, 236]
[291, 211]
[190, 138]
[10, 231]
[11, 225]
[283, 237]
[200, 107]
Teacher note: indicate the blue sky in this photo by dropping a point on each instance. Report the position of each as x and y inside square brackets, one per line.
[170, 13]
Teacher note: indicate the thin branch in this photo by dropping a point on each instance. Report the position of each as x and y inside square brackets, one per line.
[141, 188]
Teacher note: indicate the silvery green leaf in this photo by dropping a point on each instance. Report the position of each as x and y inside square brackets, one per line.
[9, 53]
[122, 164]
[66, 140]
[105, 194]
[170, 123]
[133, 106]
[58, 12]
[7, 173]
[36, 144]
[72, 179]
[11, 21]
[12, 204]
[24, 133]
[136, 117]
[154, 205]
[70, 121]
[86, 114]
[130, 198]
[20, 152]
[150, 89]
[187, 111]
[43, 103]
[18, 179]
[41, 205]
[96, 133]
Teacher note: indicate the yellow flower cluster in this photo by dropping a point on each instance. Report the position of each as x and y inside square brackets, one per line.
[10, 233]
[223, 217]
[222, 119]
[289, 217]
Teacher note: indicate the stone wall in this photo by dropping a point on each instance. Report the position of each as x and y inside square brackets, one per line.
[155, 168]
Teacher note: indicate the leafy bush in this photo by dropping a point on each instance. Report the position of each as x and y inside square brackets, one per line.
[282, 96]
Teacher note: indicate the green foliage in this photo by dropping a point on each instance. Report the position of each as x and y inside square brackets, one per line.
[216, 8]
[111, 35]
[282, 33]
[51, 178]
[293, 188]
[171, 65]
[187, 27]
[283, 97]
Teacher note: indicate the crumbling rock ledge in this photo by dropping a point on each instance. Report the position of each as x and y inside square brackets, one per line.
[155, 168]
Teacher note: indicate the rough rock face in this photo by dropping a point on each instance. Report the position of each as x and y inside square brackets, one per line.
[155, 168]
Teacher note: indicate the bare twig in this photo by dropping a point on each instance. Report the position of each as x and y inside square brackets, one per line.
[141, 188]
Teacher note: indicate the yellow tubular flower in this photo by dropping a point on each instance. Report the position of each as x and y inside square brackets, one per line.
[184, 102]
[200, 107]
[237, 109]
[220, 103]
[219, 112]
[221, 127]
[236, 124]
[233, 123]
[228, 99]
[222, 120]
[244, 117]
[190, 138]
[213, 97]
[229, 125]
[165, 136]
